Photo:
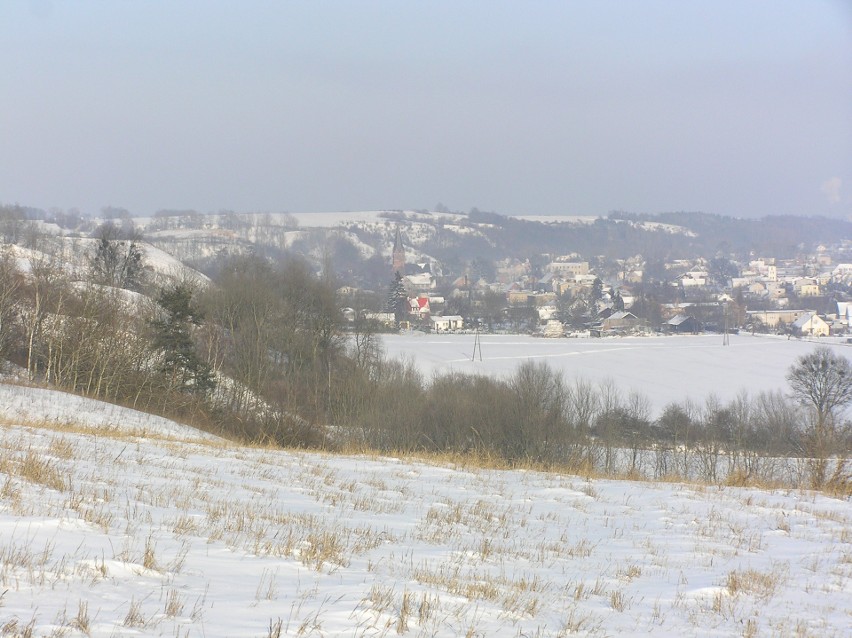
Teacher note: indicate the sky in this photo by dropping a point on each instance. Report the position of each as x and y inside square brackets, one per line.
[573, 108]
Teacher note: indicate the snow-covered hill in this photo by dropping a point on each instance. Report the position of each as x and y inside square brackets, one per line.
[72, 255]
[119, 533]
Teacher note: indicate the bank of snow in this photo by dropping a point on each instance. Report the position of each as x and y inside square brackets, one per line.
[131, 534]
[24, 404]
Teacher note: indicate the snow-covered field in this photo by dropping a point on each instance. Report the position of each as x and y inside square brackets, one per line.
[664, 369]
[117, 532]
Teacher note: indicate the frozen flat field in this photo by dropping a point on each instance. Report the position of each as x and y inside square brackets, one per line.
[664, 369]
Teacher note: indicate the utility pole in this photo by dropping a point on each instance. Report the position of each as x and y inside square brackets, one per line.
[477, 344]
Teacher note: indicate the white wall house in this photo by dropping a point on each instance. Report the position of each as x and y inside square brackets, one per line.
[447, 323]
[569, 268]
[693, 278]
[806, 287]
[421, 281]
[811, 325]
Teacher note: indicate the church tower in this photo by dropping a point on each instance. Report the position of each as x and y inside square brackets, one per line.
[398, 254]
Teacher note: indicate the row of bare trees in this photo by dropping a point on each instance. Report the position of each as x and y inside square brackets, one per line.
[536, 415]
[79, 336]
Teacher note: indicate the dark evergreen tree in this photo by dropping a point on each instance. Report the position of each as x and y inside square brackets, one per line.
[597, 289]
[398, 299]
[173, 338]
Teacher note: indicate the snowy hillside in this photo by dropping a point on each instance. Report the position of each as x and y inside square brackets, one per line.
[120, 533]
[53, 408]
[73, 256]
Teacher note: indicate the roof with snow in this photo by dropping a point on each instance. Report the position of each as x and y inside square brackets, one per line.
[678, 320]
[802, 321]
[622, 314]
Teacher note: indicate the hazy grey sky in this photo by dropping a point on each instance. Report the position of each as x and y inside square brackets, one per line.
[736, 107]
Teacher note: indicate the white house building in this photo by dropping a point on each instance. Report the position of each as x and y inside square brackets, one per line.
[447, 323]
[811, 325]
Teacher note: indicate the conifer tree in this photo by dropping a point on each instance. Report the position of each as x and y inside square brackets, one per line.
[172, 337]
[398, 299]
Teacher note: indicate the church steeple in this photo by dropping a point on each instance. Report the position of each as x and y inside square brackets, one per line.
[398, 254]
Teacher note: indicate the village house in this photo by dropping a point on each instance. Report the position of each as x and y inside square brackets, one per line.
[553, 328]
[810, 325]
[842, 273]
[447, 323]
[669, 310]
[568, 269]
[773, 318]
[682, 324]
[419, 308]
[806, 287]
[387, 319]
[421, 281]
[693, 278]
[775, 290]
[519, 297]
[765, 268]
[619, 320]
[547, 312]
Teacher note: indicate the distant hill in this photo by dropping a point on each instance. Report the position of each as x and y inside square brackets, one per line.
[358, 244]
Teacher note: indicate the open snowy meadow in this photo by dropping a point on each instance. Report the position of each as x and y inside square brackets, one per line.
[663, 369]
[115, 523]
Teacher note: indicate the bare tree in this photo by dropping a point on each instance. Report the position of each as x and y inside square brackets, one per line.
[540, 398]
[10, 283]
[44, 294]
[118, 259]
[822, 381]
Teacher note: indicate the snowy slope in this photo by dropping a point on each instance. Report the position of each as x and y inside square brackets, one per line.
[22, 404]
[134, 535]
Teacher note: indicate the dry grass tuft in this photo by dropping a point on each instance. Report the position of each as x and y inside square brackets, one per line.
[14, 629]
[275, 628]
[149, 555]
[324, 546]
[618, 601]
[134, 617]
[81, 620]
[174, 604]
[751, 582]
[36, 469]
